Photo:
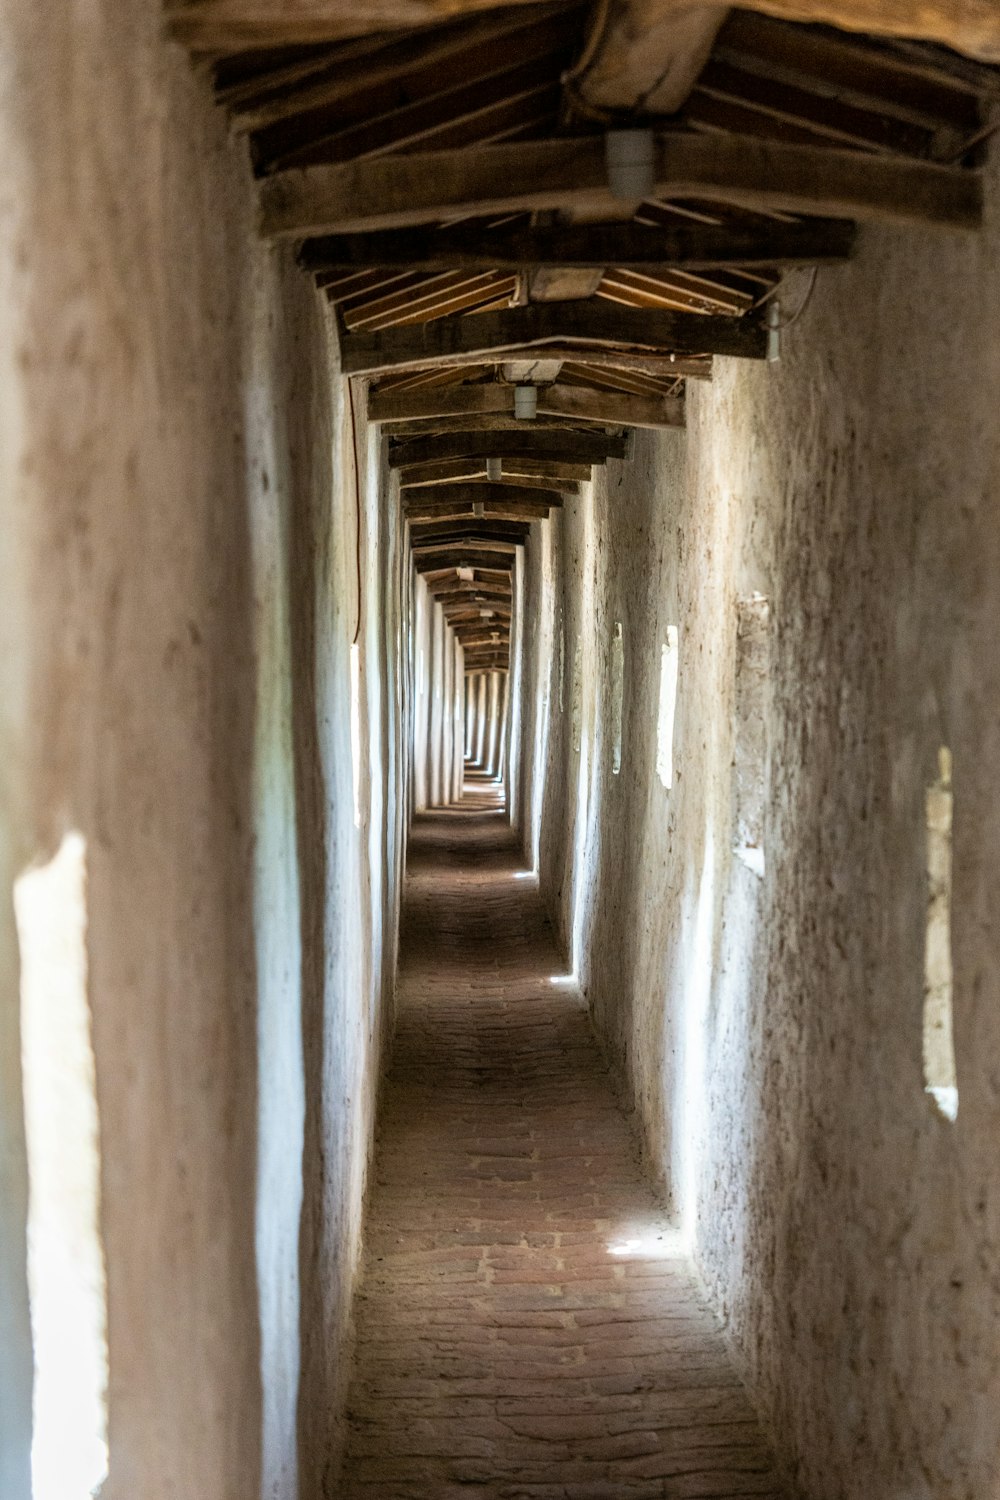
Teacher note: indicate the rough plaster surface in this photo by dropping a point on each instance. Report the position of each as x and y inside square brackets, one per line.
[178, 531]
[770, 1029]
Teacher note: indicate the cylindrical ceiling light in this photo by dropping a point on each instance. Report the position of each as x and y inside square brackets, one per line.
[494, 469]
[526, 402]
[477, 508]
[630, 160]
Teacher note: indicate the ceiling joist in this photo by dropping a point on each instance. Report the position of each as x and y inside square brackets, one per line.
[570, 174]
[481, 336]
[574, 403]
[580, 447]
[970, 26]
[691, 247]
[478, 493]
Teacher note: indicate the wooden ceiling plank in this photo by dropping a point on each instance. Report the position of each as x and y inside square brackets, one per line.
[396, 70]
[624, 289]
[482, 299]
[841, 121]
[559, 173]
[467, 110]
[842, 64]
[429, 298]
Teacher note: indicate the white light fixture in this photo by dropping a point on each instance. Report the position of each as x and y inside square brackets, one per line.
[477, 508]
[630, 161]
[773, 333]
[486, 614]
[466, 574]
[525, 402]
[494, 469]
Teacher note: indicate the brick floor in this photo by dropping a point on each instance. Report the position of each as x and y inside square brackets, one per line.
[525, 1325]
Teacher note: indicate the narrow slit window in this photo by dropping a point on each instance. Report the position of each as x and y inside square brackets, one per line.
[667, 709]
[577, 703]
[356, 728]
[617, 698]
[750, 737]
[66, 1274]
[940, 1074]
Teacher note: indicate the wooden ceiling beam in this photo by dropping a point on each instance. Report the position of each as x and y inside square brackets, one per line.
[970, 26]
[570, 174]
[458, 556]
[574, 403]
[577, 447]
[491, 335]
[526, 474]
[477, 492]
[488, 422]
[478, 529]
[691, 247]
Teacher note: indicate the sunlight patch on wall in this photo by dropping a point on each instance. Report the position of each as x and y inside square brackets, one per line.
[750, 732]
[617, 697]
[66, 1273]
[940, 1074]
[356, 728]
[667, 709]
[576, 705]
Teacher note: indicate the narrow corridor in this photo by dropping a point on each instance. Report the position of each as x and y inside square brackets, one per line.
[526, 1326]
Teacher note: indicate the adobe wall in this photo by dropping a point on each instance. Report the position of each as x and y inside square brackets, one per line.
[770, 1028]
[178, 534]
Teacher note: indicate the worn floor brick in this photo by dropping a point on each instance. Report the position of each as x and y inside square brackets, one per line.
[527, 1329]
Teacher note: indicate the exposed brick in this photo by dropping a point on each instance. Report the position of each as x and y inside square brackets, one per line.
[504, 1351]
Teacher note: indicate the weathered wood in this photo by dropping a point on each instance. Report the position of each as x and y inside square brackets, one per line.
[488, 422]
[444, 512]
[527, 474]
[569, 173]
[598, 357]
[460, 556]
[650, 55]
[575, 403]
[563, 283]
[970, 26]
[576, 447]
[477, 493]
[396, 70]
[691, 247]
[423, 532]
[482, 336]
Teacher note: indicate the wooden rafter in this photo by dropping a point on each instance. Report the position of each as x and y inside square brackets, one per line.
[970, 26]
[555, 446]
[478, 493]
[692, 247]
[558, 401]
[570, 174]
[527, 474]
[470, 339]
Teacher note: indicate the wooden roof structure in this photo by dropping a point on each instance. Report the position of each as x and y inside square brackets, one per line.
[447, 170]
